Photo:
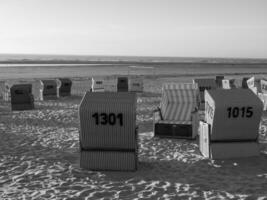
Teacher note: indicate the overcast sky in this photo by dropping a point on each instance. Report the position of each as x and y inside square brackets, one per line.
[183, 28]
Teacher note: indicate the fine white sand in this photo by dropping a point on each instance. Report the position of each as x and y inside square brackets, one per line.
[39, 159]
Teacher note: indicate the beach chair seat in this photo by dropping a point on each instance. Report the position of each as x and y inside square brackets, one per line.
[177, 115]
[48, 90]
[64, 87]
[108, 131]
[21, 97]
[231, 124]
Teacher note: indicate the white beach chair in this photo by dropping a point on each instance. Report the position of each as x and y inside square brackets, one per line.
[110, 84]
[251, 85]
[21, 97]
[177, 116]
[204, 84]
[231, 125]
[48, 90]
[97, 84]
[108, 133]
[226, 84]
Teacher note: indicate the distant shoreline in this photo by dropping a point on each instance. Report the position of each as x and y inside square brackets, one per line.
[75, 62]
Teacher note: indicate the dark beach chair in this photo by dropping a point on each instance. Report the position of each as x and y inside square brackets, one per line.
[21, 97]
[122, 85]
[231, 125]
[48, 90]
[218, 80]
[177, 116]
[108, 133]
[64, 87]
[204, 84]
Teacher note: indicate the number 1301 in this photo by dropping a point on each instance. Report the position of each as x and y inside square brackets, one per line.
[111, 118]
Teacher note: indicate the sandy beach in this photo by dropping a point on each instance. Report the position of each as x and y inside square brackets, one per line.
[39, 158]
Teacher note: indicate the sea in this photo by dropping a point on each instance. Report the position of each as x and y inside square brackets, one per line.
[31, 66]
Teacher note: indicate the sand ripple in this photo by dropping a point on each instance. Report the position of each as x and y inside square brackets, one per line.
[39, 159]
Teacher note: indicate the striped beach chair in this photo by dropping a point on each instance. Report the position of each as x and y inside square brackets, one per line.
[177, 115]
[48, 90]
[263, 93]
[5, 91]
[64, 87]
[108, 133]
[231, 124]
[204, 84]
[21, 97]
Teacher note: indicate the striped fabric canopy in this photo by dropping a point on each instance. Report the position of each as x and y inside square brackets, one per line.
[178, 104]
[179, 86]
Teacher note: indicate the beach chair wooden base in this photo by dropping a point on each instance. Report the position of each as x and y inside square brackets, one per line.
[18, 107]
[100, 160]
[175, 129]
[62, 94]
[48, 97]
[225, 149]
[165, 130]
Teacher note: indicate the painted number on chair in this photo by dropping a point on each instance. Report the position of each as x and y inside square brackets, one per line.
[108, 119]
[243, 112]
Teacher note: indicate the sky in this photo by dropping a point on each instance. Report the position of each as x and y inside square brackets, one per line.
[179, 28]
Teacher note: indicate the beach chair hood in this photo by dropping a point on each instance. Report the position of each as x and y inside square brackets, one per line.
[233, 114]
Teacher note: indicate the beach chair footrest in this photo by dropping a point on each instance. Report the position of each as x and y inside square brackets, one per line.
[173, 130]
[109, 160]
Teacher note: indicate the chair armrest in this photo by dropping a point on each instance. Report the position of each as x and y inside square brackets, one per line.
[157, 115]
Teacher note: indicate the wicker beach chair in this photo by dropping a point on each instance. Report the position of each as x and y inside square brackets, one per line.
[122, 85]
[177, 116]
[204, 84]
[218, 80]
[251, 85]
[136, 84]
[48, 90]
[110, 84]
[97, 84]
[231, 124]
[21, 97]
[64, 87]
[108, 133]
[226, 84]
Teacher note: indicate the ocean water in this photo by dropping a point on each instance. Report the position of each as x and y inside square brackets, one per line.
[52, 66]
